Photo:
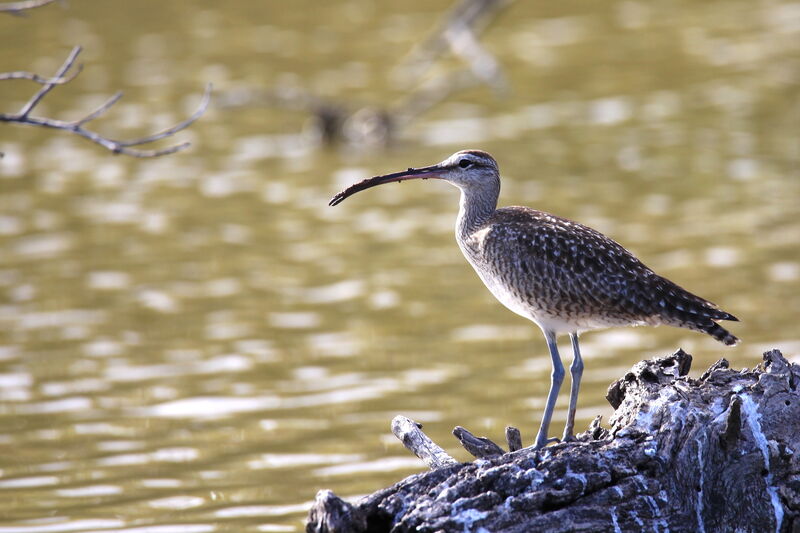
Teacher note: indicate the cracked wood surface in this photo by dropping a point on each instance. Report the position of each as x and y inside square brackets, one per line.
[716, 453]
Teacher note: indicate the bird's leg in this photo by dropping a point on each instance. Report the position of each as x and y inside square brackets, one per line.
[555, 384]
[576, 371]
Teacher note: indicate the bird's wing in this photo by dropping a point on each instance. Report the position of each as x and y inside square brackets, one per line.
[568, 267]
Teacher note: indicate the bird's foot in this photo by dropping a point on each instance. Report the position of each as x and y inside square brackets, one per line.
[568, 438]
[544, 442]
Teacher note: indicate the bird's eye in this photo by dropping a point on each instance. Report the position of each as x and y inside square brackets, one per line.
[465, 163]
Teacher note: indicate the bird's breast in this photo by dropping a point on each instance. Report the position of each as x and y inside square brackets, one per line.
[508, 293]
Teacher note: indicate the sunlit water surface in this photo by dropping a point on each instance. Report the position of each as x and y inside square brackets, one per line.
[198, 343]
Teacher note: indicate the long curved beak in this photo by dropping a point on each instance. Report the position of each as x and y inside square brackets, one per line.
[432, 172]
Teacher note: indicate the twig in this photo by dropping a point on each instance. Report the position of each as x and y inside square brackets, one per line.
[41, 93]
[329, 117]
[596, 431]
[412, 437]
[18, 8]
[513, 438]
[77, 126]
[466, 16]
[477, 446]
[177, 127]
[464, 43]
[23, 75]
[100, 110]
[431, 93]
[457, 32]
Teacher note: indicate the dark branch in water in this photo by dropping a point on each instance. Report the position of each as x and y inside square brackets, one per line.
[23, 116]
[359, 125]
[458, 33]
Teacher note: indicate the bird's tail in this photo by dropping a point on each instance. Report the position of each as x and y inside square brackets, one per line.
[684, 309]
[718, 332]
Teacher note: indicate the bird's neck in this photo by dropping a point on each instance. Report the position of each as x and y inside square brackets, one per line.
[475, 209]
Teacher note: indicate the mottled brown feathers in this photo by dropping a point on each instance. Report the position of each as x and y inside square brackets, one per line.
[565, 269]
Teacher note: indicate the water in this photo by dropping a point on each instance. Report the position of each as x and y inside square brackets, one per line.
[198, 343]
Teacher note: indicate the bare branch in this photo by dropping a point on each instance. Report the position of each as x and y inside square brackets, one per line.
[23, 75]
[100, 110]
[481, 62]
[333, 122]
[77, 126]
[19, 8]
[329, 117]
[433, 92]
[177, 127]
[466, 15]
[110, 144]
[457, 33]
[41, 93]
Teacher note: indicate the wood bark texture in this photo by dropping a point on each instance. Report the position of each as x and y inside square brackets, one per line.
[718, 453]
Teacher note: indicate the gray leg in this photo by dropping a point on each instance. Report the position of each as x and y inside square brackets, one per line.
[576, 370]
[555, 384]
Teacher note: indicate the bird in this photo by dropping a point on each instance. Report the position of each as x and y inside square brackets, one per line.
[565, 277]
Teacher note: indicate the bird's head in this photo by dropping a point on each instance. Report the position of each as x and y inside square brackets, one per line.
[467, 170]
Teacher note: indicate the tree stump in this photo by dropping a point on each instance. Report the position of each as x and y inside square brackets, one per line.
[716, 453]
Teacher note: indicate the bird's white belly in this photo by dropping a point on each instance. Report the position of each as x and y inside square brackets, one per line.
[542, 319]
[505, 297]
[500, 291]
[528, 308]
[548, 321]
[545, 320]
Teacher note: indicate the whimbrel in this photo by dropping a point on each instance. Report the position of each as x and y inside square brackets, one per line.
[562, 275]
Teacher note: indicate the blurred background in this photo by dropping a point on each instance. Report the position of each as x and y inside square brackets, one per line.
[198, 343]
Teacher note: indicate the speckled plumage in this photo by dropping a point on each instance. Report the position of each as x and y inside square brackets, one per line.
[561, 273]
[564, 276]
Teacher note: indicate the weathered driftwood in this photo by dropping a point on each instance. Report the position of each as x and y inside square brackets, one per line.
[411, 435]
[718, 453]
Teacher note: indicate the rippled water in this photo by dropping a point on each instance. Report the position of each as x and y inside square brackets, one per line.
[198, 343]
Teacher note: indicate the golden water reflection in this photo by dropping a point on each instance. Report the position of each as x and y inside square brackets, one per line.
[197, 343]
